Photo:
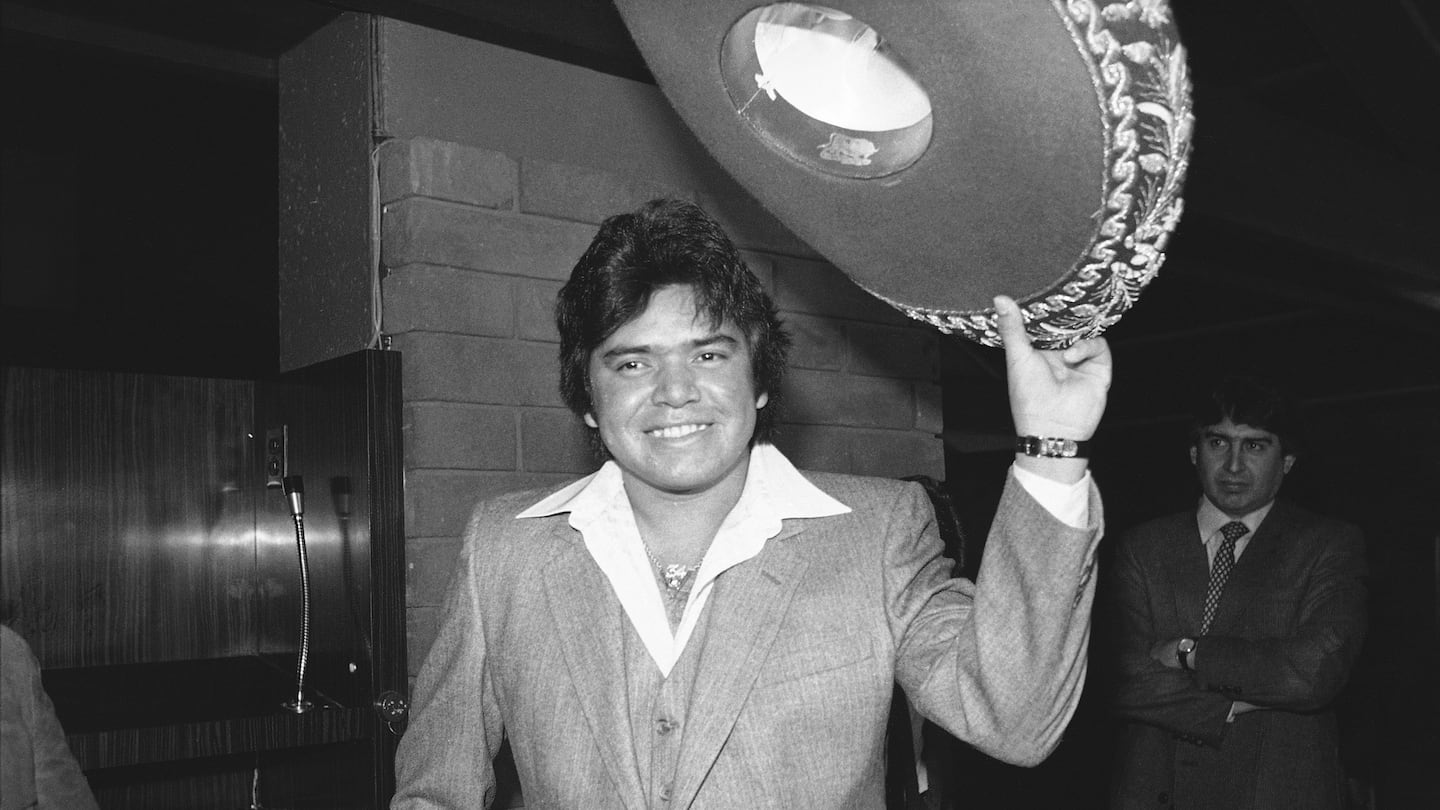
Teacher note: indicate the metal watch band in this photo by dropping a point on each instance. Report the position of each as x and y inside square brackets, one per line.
[1051, 447]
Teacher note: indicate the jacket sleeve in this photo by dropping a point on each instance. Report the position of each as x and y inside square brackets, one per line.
[1146, 691]
[999, 663]
[444, 760]
[1305, 668]
[58, 780]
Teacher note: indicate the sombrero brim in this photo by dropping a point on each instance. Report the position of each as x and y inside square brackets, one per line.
[1059, 137]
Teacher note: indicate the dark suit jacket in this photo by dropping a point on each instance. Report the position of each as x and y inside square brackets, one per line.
[1289, 627]
[804, 643]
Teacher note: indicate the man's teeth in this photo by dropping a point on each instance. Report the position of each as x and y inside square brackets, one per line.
[676, 431]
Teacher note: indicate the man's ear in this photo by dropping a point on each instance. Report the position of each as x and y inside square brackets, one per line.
[762, 400]
[1289, 462]
[1194, 455]
[590, 420]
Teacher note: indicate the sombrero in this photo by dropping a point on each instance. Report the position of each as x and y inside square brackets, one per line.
[940, 152]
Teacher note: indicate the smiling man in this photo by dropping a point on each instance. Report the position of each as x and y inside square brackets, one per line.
[699, 623]
[1238, 624]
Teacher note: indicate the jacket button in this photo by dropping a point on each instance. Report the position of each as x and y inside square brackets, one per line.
[665, 725]
[665, 793]
[1164, 798]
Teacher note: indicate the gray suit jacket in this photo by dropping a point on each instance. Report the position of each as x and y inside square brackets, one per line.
[37, 768]
[802, 648]
[1288, 629]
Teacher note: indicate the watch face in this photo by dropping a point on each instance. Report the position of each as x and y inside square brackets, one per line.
[1186, 645]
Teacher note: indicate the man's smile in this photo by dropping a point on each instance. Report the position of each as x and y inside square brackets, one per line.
[676, 431]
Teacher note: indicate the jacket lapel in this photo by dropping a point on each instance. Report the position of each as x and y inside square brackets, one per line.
[749, 609]
[589, 632]
[1189, 575]
[1253, 570]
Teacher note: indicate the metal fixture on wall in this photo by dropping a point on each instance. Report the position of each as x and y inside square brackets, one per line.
[294, 487]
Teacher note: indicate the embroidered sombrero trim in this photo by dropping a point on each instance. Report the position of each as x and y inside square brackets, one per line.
[1138, 69]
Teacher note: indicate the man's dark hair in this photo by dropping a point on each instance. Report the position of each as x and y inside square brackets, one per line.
[1250, 400]
[665, 243]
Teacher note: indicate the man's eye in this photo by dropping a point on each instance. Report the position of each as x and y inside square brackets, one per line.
[710, 357]
[628, 365]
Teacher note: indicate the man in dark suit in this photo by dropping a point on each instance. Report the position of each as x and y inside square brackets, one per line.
[1236, 625]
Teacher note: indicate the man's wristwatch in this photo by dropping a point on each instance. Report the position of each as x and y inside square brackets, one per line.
[1050, 447]
[1183, 649]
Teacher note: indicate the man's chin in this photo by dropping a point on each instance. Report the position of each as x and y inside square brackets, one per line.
[693, 480]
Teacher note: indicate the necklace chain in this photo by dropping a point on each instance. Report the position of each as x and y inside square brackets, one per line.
[674, 575]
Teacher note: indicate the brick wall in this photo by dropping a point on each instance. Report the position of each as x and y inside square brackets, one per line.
[476, 243]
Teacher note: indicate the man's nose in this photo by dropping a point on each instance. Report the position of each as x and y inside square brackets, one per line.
[1233, 460]
[675, 385]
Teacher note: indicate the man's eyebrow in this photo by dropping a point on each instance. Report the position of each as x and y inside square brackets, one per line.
[619, 351]
[717, 338]
[1238, 437]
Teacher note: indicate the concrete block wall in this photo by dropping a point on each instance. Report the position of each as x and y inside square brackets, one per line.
[475, 245]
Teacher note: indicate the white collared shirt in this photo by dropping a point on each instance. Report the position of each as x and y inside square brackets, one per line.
[600, 511]
[774, 491]
[1209, 519]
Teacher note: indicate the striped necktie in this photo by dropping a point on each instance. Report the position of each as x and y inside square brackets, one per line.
[1220, 570]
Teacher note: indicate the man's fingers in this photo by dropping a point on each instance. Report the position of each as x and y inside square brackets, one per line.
[1084, 350]
[1010, 323]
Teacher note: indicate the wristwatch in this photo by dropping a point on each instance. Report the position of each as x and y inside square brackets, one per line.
[1051, 447]
[1183, 649]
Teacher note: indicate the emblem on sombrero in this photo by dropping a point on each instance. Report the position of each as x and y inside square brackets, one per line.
[942, 152]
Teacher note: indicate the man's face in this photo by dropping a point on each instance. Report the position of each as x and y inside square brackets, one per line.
[674, 398]
[1240, 467]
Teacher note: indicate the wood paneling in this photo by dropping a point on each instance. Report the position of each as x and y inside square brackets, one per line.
[157, 576]
[128, 516]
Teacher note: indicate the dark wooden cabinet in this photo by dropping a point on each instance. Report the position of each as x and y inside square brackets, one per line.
[156, 576]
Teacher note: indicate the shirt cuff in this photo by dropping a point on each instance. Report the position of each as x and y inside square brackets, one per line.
[1068, 503]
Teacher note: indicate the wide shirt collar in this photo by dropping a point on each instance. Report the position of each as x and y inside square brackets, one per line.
[599, 509]
[1209, 519]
